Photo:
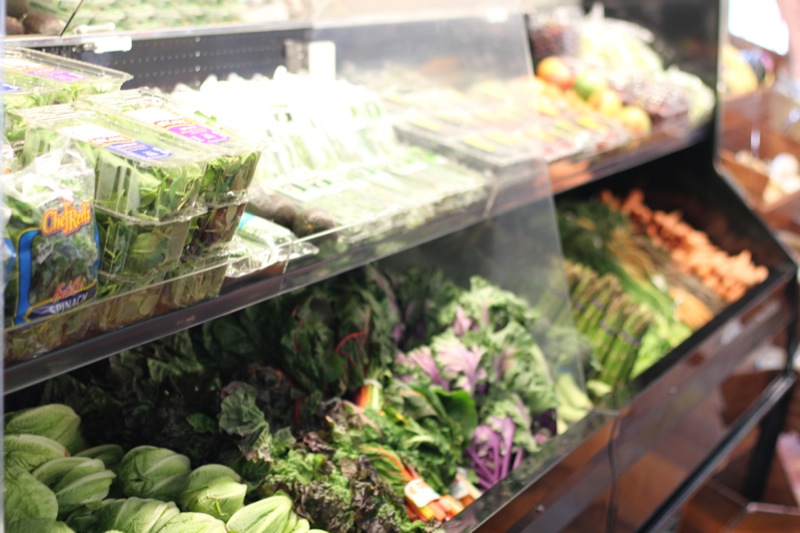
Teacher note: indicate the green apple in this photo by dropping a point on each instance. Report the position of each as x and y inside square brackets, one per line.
[588, 83]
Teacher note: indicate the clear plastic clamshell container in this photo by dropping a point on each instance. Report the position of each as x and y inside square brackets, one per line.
[193, 280]
[235, 157]
[139, 173]
[22, 92]
[139, 248]
[212, 230]
[70, 78]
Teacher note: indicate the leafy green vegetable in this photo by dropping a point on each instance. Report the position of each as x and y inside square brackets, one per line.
[52, 232]
[215, 228]
[54, 421]
[214, 490]
[27, 452]
[76, 481]
[110, 454]
[27, 498]
[228, 174]
[151, 472]
[39, 525]
[138, 248]
[128, 185]
[161, 396]
[264, 516]
[28, 95]
[193, 523]
[133, 515]
[241, 416]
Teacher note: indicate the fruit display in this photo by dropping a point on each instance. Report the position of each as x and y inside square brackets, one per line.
[642, 280]
[380, 401]
[612, 67]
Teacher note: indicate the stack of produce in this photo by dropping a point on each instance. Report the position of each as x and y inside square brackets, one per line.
[612, 65]
[615, 324]
[224, 187]
[55, 483]
[727, 275]
[306, 397]
[167, 193]
[334, 162]
[34, 79]
[641, 280]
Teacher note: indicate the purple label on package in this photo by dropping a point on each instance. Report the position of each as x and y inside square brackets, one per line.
[199, 133]
[55, 75]
[139, 150]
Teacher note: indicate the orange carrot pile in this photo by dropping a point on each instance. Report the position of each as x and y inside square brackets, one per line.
[727, 275]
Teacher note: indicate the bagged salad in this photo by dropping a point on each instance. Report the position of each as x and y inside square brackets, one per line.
[53, 238]
[236, 157]
[68, 78]
[22, 92]
[138, 173]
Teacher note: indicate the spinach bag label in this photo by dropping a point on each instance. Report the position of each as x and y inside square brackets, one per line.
[116, 142]
[182, 126]
[56, 247]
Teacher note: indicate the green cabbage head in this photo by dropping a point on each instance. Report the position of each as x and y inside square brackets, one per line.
[135, 515]
[76, 481]
[150, 472]
[110, 454]
[193, 523]
[38, 525]
[27, 452]
[269, 515]
[54, 421]
[27, 498]
[214, 490]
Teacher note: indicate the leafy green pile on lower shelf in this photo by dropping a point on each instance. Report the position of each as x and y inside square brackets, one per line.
[337, 396]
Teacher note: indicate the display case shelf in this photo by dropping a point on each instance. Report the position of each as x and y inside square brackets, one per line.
[504, 198]
[565, 176]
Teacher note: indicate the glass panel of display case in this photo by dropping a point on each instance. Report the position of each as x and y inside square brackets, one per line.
[511, 260]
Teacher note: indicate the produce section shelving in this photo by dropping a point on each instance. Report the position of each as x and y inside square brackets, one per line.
[506, 197]
[577, 482]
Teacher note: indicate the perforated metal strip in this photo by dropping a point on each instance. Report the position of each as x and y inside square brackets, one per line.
[165, 62]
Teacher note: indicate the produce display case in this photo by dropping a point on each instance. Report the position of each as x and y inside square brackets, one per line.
[656, 409]
[581, 480]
